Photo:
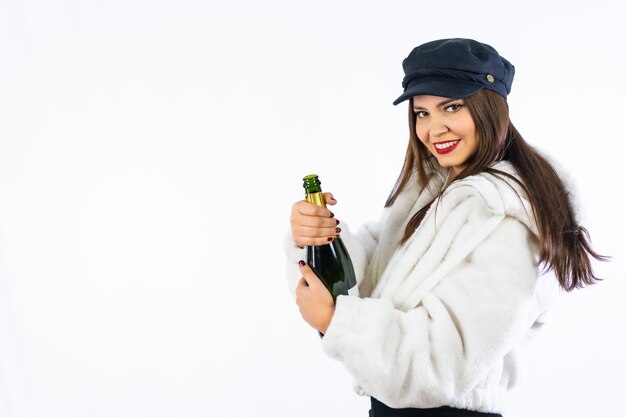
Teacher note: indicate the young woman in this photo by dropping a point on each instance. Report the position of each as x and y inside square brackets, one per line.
[449, 277]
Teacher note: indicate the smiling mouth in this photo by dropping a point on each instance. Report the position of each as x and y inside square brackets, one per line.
[446, 147]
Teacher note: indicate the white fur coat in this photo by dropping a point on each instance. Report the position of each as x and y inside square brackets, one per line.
[441, 319]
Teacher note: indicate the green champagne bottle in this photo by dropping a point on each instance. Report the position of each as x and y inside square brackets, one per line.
[330, 262]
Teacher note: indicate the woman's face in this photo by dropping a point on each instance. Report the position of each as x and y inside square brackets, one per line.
[445, 126]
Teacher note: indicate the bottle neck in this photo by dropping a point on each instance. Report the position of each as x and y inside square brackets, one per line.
[316, 198]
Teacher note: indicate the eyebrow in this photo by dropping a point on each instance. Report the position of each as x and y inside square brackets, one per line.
[443, 103]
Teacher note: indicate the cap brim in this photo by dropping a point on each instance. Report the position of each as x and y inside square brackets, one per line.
[443, 88]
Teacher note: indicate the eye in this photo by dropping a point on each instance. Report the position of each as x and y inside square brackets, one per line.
[420, 114]
[453, 107]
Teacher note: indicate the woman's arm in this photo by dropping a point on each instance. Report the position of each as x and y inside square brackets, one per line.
[461, 330]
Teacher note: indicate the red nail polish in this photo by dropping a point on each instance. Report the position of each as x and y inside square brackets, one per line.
[337, 222]
[332, 214]
[301, 263]
[338, 229]
[330, 239]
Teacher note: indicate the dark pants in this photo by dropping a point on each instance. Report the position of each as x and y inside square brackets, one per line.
[381, 410]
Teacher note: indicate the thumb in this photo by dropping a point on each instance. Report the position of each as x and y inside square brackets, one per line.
[307, 273]
[329, 198]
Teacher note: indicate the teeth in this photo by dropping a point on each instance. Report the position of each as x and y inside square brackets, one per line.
[445, 145]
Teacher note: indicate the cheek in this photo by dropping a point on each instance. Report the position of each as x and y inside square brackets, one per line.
[466, 126]
[422, 133]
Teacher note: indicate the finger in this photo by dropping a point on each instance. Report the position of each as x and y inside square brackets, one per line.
[313, 231]
[308, 275]
[309, 209]
[312, 241]
[312, 225]
[306, 231]
[301, 288]
[329, 198]
[302, 284]
[314, 221]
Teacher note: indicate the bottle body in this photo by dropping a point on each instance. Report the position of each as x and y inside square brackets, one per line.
[330, 262]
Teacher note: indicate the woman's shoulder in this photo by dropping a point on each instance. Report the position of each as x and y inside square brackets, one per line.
[499, 189]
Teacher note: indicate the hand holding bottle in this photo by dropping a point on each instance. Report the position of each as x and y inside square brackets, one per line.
[312, 225]
[326, 255]
[314, 301]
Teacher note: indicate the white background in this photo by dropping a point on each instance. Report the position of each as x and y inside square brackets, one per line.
[149, 155]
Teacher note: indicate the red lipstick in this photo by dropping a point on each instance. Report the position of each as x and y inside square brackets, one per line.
[448, 149]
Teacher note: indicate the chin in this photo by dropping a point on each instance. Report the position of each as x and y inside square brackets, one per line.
[451, 162]
[446, 164]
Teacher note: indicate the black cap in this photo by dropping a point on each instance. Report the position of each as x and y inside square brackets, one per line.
[455, 68]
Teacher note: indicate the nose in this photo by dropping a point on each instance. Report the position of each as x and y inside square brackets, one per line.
[437, 128]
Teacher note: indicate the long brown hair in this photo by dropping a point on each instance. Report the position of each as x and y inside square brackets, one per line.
[564, 245]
